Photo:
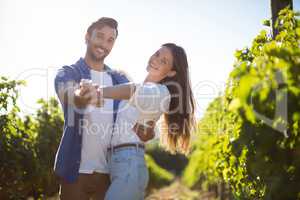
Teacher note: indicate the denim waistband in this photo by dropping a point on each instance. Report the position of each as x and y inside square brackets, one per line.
[129, 149]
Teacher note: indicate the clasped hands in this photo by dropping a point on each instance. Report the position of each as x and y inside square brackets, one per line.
[88, 93]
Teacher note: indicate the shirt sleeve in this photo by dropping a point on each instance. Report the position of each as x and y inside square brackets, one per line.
[151, 98]
[65, 81]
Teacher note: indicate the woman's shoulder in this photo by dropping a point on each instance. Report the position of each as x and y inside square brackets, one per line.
[151, 97]
[154, 89]
[155, 96]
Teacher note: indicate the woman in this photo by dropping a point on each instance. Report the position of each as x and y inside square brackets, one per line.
[166, 91]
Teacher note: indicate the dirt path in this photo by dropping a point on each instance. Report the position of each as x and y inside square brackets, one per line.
[178, 191]
[175, 191]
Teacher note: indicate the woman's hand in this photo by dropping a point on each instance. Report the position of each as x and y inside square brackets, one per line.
[145, 133]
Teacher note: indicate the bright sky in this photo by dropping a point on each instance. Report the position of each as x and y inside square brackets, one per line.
[39, 36]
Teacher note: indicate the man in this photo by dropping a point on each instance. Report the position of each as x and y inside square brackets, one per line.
[81, 157]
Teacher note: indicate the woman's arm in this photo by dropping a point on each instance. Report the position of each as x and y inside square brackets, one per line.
[122, 91]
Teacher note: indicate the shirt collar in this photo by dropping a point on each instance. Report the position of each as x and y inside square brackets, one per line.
[86, 68]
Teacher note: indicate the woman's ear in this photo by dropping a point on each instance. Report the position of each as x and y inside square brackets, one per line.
[171, 73]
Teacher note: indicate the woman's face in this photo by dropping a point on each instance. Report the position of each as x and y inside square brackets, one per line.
[160, 64]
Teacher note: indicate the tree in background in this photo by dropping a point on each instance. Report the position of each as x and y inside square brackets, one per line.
[16, 144]
[276, 7]
[247, 138]
[48, 129]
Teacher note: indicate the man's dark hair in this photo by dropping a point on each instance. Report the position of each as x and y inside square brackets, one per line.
[103, 21]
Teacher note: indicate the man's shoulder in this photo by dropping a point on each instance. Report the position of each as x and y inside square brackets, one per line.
[64, 70]
[68, 72]
[120, 75]
[73, 67]
[120, 72]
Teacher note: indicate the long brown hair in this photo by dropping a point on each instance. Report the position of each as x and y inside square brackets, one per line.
[180, 120]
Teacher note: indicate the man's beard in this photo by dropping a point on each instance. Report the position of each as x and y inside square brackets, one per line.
[94, 58]
[97, 59]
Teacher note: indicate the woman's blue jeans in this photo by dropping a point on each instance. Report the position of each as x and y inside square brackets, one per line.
[129, 174]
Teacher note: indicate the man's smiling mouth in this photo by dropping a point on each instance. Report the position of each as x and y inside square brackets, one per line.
[100, 50]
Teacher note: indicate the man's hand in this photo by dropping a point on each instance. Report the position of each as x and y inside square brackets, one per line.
[145, 133]
[87, 94]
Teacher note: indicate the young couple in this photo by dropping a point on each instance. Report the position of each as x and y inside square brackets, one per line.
[108, 119]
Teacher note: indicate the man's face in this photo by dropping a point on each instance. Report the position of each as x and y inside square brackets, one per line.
[100, 42]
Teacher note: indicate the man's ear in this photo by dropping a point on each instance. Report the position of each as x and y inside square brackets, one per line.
[171, 73]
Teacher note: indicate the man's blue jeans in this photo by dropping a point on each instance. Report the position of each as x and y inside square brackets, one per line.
[129, 174]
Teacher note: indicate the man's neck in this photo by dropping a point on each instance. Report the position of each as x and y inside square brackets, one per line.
[97, 66]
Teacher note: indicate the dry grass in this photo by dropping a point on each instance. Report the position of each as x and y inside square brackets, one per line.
[178, 191]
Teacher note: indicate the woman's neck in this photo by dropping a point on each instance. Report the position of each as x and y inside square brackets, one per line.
[151, 78]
